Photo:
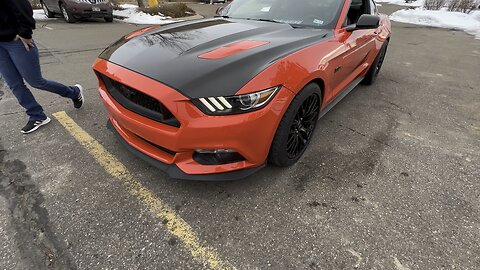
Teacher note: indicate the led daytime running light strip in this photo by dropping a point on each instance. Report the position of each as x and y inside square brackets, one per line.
[216, 103]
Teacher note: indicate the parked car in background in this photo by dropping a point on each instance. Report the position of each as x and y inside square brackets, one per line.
[72, 10]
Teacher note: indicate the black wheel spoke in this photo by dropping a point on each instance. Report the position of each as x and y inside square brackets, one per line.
[302, 127]
[304, 136]
[310, 118]
[303, 130]
[311, 107]
[294, 143]
[291, 139]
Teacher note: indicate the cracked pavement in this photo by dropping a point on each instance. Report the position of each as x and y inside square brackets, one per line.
[390, 180]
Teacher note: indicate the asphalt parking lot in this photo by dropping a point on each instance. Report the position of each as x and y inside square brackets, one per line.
[390, 181]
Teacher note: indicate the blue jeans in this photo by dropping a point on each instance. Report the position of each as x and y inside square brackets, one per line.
[16, 65]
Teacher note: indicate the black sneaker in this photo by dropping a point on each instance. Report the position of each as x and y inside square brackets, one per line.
[78, 102]
[34, 125]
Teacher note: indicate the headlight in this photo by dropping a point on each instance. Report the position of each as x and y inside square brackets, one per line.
[236, 104]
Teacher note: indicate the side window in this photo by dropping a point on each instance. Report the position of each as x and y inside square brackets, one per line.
[373, 8]
[357, 9]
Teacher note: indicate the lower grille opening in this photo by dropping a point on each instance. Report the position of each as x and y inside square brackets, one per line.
[168, 151]
[216, 157]
[139, 102]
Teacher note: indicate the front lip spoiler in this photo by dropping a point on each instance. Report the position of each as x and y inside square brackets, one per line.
[174, 172]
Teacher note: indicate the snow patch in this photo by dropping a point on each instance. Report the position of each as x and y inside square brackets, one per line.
[133, 15]
[417, 3]
[469, 23]
[39, 15]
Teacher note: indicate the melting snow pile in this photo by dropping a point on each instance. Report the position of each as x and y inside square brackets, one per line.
[39, 15]
[469, 23]
[417, 3]
[131, 14]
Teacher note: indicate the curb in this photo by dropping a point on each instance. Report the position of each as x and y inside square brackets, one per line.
[189, 18]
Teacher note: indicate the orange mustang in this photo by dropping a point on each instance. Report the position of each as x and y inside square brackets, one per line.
[218, 98]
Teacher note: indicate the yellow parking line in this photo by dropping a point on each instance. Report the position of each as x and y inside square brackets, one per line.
[173, 223]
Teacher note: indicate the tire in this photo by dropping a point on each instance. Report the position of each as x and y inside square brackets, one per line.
[372, 74]
[48, 13]
[66, 14]
[297, 125]
[109, 19]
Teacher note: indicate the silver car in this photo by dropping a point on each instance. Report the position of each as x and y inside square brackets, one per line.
[73, 10]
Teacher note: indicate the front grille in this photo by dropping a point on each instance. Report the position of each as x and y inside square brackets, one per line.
[139, 102]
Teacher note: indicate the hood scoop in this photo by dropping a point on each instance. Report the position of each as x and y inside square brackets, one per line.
[232, 49]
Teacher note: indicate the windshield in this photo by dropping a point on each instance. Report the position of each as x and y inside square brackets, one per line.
[300, 13]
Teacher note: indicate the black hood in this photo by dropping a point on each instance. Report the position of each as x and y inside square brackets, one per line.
[170, 54]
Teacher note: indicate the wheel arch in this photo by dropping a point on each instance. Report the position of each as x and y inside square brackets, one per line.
[321, 83]
[318, 81]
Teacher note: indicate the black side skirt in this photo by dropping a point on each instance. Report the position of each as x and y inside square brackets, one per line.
[339, 97]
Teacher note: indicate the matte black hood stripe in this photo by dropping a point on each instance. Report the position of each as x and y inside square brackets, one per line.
[170, 54]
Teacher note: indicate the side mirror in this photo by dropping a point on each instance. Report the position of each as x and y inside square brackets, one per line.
[365, 22]
[219, 11]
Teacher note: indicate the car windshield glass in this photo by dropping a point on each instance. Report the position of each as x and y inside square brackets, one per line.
[300, 13]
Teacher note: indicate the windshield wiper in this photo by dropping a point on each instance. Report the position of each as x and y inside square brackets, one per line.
[269, 20]
[263, 20]
[223, 16]
[302, 26]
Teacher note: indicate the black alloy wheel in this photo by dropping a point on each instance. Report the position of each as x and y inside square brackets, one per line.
[381, 58]
[303, 126]
[66, 14]
[47, 12]
[377, 64]
[297, 127]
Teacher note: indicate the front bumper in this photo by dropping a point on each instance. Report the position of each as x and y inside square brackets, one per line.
[248, 134]
[84, 10]
[174, 172]
[86, 15]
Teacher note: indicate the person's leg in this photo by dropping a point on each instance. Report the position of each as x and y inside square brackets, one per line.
[28, 64]
[15, 82]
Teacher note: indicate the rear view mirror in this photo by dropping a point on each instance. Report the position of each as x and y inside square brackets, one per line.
[365, 22]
